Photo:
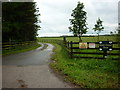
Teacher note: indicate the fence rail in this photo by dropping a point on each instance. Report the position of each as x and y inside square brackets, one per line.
[93, 42]
[12, 45]
[77, 54]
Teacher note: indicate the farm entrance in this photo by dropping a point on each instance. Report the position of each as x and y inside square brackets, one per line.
[96, 50]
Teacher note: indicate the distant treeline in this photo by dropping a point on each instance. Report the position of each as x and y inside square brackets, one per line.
[91, 35]
[19, 21]
[81, 36]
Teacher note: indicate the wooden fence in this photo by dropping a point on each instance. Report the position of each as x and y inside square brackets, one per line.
[76, 52]
[12, 45]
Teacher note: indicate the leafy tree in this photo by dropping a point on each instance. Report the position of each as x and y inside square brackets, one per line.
[19, 21]
[78, 23]
[98, 27]
[111, 33]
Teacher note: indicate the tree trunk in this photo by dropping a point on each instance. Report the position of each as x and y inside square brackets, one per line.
[98, 37]
[80, 40]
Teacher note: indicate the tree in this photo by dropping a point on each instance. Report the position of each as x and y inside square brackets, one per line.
[98, 27]
[19, 21]
[78, 23]
[111, 33]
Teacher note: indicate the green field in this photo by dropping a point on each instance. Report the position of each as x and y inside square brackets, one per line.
[86, 73]
[85, 39]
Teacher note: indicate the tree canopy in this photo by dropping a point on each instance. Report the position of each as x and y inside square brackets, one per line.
[19, 21]
[98, 27]
[78, 22]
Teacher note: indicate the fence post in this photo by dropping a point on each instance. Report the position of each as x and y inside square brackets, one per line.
[64, 39]
[105, 55]
[68, 44]
[71, 50]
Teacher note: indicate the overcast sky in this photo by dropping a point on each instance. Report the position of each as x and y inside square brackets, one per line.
[55, 15]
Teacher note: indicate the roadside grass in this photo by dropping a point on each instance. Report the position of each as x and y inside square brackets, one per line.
[20, 49]
[86, 73]
[96, 55]
[45, 46]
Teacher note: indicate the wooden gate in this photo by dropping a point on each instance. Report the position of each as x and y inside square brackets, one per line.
[97, 53]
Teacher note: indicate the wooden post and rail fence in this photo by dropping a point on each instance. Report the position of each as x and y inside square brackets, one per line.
[97, 50]
[12, 45]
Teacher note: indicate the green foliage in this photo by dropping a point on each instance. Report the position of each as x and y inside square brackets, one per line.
[78, 23]
[111, 33]
[19, 21]
[98, 27]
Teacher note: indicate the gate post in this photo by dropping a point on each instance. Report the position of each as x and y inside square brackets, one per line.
[68, 44]
[105, 55]
[64, 39]
[71, 50]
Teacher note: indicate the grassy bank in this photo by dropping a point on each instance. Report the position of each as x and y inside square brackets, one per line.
[87, 73]
[19, 49]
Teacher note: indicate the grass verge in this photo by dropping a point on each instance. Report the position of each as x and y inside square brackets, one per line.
[20, 49]
[87, 73]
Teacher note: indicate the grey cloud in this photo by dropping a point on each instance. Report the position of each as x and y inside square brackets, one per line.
[119, 12]
[55, 14]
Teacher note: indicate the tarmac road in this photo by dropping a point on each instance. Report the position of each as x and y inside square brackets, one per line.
[34, 57]
[30, 70]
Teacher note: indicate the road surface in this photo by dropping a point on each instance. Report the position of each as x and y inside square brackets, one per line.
[30, 70]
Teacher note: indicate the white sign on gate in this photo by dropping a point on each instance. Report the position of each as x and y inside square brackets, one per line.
[91, 45]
